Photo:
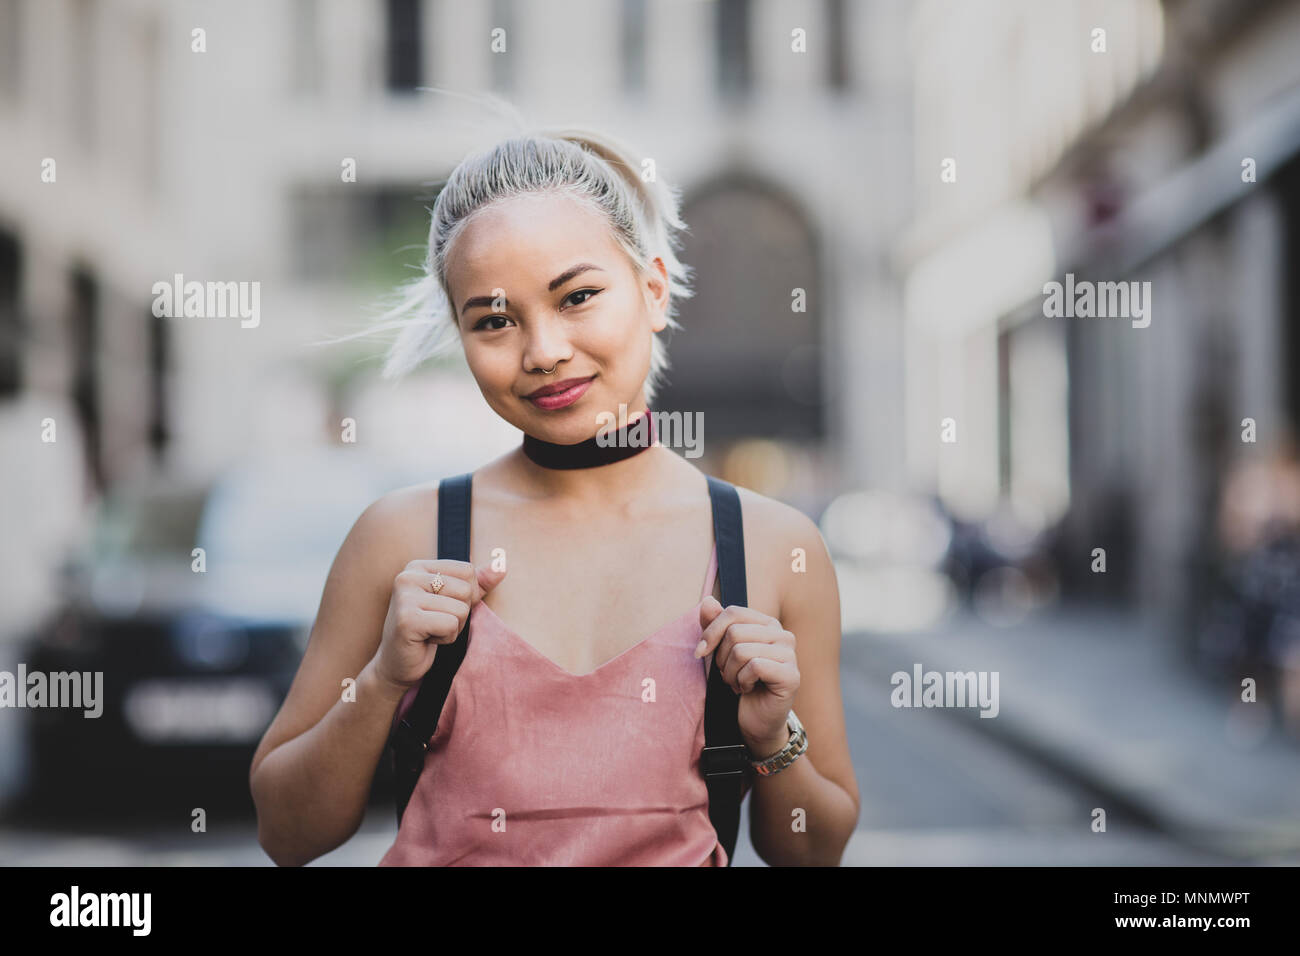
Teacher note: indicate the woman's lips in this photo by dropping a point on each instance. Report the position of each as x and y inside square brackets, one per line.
[561, 399]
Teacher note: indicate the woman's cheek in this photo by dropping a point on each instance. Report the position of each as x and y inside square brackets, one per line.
[492, 367]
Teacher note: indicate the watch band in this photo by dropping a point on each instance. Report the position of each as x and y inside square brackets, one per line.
[787, 755]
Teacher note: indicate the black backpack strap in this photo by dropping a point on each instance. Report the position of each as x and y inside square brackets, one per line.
[724, 761]
[410, 739]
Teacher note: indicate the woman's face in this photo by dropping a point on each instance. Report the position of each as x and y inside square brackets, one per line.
[538, 282]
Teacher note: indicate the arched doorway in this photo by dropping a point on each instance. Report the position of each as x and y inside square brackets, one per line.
[745, 356]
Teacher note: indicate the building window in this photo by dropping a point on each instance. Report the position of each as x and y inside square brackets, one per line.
[731, 34]
[146, 83]
[403, 45]
[633, 46]
[307, 47]
[84, 339]
[159, 363]
[365, 235]
[503, 64]
[11, 48]
[837, 42]
[84, 87]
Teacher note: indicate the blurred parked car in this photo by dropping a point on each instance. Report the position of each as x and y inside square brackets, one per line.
[197, 649]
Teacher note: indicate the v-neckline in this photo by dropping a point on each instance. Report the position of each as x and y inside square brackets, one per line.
[710, 582]
[517, 638]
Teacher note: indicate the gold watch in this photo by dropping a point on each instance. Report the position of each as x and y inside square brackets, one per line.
[787, 755]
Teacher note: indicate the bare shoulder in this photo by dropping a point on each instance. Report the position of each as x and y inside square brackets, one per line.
[398, 527]
[784, 547]
[393, 530]
[776, 526]
[404, 504]
[401, 525]
[776, 516]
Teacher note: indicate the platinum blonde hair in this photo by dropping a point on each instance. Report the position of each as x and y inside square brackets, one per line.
[591, 167]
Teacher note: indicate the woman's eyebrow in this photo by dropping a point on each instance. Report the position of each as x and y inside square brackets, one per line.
[555, 283]
[569, 273]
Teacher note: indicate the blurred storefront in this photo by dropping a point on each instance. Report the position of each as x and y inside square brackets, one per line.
[1161, 150]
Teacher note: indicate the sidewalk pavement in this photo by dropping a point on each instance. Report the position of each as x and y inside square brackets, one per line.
[1103, 700]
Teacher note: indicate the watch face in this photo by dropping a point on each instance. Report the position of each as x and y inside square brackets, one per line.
[792, 722]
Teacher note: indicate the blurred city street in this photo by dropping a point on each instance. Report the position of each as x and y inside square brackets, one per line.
[1093, 713]
[1000, 294]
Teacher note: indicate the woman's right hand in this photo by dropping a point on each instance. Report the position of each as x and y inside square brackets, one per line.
[419, 620]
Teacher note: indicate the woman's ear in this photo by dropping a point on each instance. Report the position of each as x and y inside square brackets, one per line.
[657, 293]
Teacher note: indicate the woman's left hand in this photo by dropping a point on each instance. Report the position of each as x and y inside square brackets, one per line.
[757, 660]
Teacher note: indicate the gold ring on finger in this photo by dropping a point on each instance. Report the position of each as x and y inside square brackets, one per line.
[437, 584]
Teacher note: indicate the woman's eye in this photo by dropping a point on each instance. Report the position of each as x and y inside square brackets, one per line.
[481, 323]
[589, 293]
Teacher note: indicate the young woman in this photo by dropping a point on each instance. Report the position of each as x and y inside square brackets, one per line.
[593, 573]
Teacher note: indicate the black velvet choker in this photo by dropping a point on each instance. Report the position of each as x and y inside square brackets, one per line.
[633, 438]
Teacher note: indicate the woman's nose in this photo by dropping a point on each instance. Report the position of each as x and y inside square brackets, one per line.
[545, 347]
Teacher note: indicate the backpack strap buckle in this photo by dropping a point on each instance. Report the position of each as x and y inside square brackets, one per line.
[723, 760]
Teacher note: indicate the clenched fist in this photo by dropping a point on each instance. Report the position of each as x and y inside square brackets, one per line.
[419, 620]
